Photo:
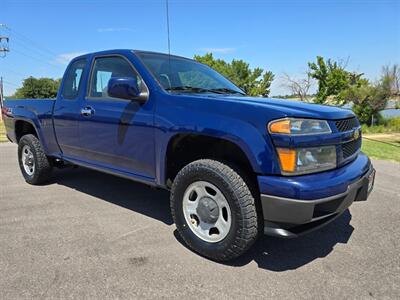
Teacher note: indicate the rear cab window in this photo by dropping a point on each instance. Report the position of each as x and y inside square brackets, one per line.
[73, 79]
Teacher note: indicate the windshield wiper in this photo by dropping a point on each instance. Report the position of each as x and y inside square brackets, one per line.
[227, 91]
[186, 88]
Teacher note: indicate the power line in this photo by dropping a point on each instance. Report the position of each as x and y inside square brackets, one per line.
[40, 60]
[2, 82]
[22, 36]
[5, 70]
[31, 49]
[10, 83]
[39, 53]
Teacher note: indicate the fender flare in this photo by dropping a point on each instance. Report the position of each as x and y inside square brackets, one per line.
[161, 155]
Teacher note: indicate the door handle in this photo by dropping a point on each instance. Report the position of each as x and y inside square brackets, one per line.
[87, 111]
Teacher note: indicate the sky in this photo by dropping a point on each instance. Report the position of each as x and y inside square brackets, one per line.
[281, 36]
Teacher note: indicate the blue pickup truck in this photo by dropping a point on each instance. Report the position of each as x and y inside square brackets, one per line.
[236, 166]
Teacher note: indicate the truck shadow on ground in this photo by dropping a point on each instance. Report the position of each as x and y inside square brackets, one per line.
[269, 253]
[131, 195]
[277, 254]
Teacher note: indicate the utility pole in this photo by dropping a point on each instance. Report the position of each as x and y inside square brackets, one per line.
[1, 93]
[4, 48]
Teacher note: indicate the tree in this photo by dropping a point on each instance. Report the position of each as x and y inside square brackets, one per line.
[369, 99]
[38, 88]
[392, 73]
[255, 82]
[332, 79]
[298, 86]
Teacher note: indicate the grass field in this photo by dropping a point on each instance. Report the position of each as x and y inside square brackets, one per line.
[391, 138]
[2, 132]
[382, 146]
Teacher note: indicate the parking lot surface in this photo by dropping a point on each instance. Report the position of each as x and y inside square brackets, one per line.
[92, 235]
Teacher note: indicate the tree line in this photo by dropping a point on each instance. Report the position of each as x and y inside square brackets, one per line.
[335, 85]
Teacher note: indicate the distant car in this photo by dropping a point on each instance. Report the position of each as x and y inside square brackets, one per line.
[236, 166]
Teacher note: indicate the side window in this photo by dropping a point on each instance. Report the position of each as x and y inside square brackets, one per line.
[73, 79]
[106, 67]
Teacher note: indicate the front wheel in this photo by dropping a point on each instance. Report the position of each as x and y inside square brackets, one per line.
[214, 210]
[33, 162]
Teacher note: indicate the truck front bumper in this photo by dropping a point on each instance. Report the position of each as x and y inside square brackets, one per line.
[289, 217]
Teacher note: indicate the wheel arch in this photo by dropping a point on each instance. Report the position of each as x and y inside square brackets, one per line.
[185, 147]
[24, 127]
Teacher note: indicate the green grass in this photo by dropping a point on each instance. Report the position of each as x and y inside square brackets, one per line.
[390, 138]
[3, 137]
[380, 150]
[387, 126]
[383, 141]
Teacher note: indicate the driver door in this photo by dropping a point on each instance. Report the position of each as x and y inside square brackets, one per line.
[116, 134]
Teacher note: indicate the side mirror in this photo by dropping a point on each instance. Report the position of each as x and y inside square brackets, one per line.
[124, 88]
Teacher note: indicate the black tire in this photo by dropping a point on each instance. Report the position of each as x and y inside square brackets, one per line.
[243, 231]
[42, 164]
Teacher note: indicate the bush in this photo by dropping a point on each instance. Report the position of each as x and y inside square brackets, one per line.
[386, 126]
[394, 124]
[364, 113]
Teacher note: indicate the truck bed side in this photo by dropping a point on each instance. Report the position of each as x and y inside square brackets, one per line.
[23, 116]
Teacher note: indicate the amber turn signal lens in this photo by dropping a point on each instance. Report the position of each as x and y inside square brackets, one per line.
[287, 157]
[282, 126]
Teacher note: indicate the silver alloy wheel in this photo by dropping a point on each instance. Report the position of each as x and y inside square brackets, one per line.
[28, 161]
[207, 211]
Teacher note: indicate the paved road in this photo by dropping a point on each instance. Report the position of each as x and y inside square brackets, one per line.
[91, 235]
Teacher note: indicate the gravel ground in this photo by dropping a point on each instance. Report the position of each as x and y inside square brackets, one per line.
[92, 235]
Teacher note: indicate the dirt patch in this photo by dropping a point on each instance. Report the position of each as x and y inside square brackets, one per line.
[138, 261]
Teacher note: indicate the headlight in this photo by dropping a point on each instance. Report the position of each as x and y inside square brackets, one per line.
[307, 160]
[296, 126]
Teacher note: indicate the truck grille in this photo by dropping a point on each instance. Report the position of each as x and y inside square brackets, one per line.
[346, 124]
[350, 148]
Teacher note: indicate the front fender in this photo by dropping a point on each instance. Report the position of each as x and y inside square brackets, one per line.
[256, 145]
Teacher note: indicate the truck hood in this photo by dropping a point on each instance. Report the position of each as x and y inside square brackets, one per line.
[291, 108]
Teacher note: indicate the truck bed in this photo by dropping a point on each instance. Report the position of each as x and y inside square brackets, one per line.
[38, 112]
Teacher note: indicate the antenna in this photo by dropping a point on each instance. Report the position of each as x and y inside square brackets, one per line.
[169, 44]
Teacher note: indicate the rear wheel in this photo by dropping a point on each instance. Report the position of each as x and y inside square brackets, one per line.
[214, 210]
[33, 162]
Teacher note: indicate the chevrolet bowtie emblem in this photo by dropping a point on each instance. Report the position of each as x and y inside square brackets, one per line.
[356, 134]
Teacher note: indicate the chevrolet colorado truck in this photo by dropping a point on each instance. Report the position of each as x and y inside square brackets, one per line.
[236, 166]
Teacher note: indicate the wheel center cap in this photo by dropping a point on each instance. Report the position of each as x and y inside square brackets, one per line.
[207, 210]
[29, 161]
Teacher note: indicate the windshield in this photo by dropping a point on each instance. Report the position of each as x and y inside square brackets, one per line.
[177, 74]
